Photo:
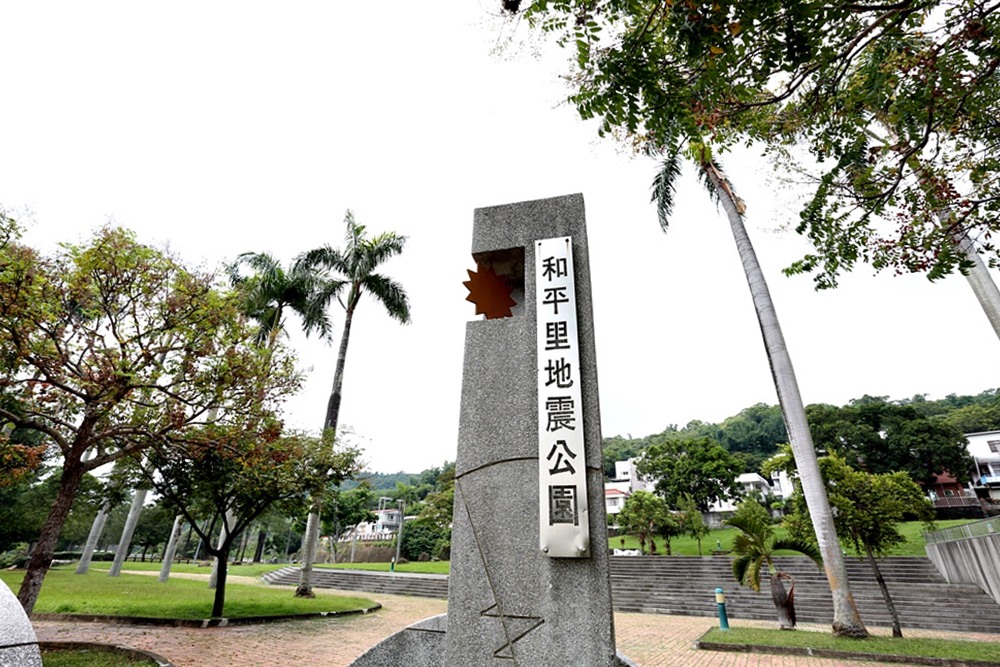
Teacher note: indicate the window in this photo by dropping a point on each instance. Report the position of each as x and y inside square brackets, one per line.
[994, 446]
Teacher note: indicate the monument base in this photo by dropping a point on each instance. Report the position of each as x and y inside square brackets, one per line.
[18, 643]
[422, 645]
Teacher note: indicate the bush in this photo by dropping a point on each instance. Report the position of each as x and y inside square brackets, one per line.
[15, 557]
[420, 538]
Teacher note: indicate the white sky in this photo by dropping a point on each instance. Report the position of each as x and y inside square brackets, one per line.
[226, 127]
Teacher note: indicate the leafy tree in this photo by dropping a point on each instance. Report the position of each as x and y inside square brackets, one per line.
[153, 528]
[344, 508]
[755, 433]
[755, 546]
[700, 468]
[894, 101]
[879, 437]
[869, 510]
[424, 539]
[691, 519]
[975, 418]
[646, 515]
[237, 473]
[269, 292]
[355, 268]
[650, 71]
[617, 449]
[106, 348]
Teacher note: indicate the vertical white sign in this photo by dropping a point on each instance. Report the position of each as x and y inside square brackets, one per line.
[562, 468]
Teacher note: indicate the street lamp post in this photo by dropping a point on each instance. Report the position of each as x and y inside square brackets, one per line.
[399, 533]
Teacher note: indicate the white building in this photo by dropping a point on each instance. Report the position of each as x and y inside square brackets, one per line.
[626, 482]
[984, 447]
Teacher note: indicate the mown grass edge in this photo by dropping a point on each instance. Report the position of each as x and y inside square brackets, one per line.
[836, 653]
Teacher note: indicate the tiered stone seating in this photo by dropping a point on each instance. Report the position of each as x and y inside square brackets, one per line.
[686, 585]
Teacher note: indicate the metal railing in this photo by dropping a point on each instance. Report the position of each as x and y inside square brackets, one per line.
[956, 501]
[965, 531]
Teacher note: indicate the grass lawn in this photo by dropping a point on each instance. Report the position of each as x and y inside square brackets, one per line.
[686, 546]
[91, 657]
[882, 645]
[249, 570]
[65, 592]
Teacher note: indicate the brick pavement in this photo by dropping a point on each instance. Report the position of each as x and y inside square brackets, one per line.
[651, 640]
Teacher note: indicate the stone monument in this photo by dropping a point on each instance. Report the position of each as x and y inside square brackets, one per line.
[18, 643]
[529, 581]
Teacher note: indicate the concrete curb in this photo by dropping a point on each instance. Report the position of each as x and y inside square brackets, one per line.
[200, 623]
[124, 650]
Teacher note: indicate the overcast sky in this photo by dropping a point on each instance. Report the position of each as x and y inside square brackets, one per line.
[226, 127]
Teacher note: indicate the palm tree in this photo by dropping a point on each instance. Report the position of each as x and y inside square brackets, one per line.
[846, 619]
[755, 546]
[355, 267]
[269, 291]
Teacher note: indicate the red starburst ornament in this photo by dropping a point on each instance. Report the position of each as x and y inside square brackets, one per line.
[490, 292]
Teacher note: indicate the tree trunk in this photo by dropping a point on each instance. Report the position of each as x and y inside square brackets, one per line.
[333, 405]
[304, 589]
[329, 423]
[258, 552]
[784, 601]
[125, 542]
[96, 529]
[220, 564]
[846, 619]
[41, 556]
[897, 629]
[219, 601]
[981, 282]
[171, 550]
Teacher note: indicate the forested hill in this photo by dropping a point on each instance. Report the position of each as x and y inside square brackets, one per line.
[755, 432]
[405, 484]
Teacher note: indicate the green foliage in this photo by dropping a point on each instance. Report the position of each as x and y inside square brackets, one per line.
[113, 345]
[878, 436]
[647, 516]
[618, 448]
[869, 508]
[696, 466]
[267, 291]
[754, 547]
[343, 508]
[692, 522]
[423, 539]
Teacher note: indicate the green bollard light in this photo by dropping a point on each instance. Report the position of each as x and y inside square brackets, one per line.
[720, 601]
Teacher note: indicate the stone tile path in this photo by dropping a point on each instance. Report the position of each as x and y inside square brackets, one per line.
[651, 640]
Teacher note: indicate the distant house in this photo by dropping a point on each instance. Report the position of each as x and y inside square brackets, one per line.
[985, 450]
[980, 496]
[614, 500]
[752, 485]
[383, 528]
[625, 482]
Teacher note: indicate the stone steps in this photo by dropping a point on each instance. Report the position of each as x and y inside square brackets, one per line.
[686, 585]
[420, 585]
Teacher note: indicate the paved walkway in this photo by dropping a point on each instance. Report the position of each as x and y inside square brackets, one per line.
[650, 640]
